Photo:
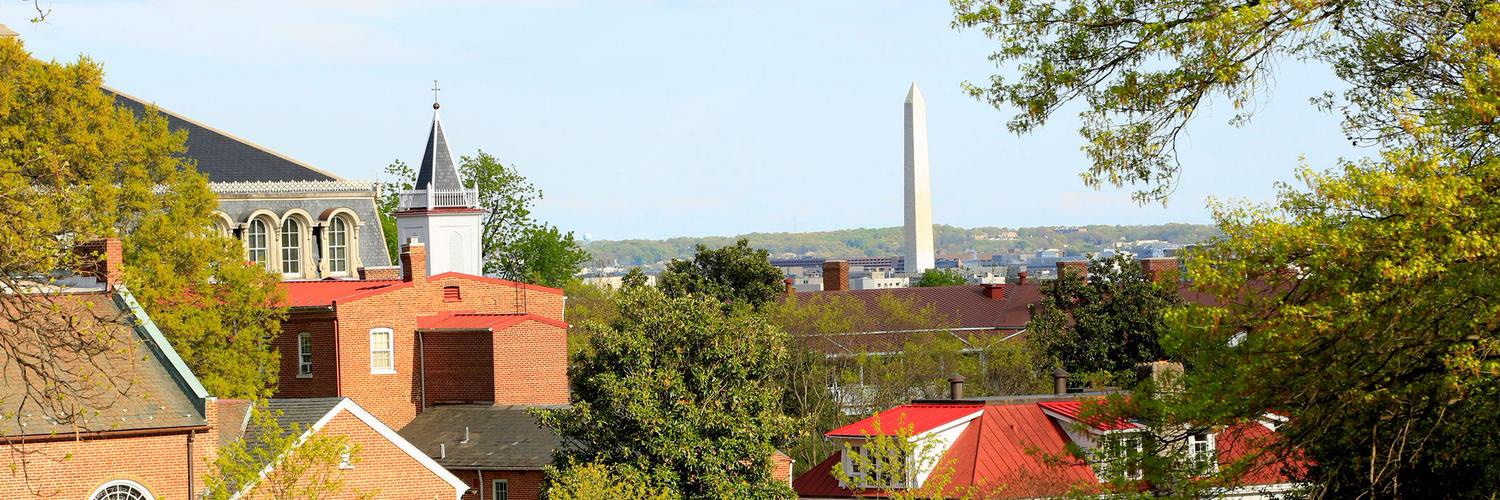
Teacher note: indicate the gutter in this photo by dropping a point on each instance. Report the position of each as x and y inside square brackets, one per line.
[89, 435]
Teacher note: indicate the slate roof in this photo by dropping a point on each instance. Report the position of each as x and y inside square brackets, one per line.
[133, 385]
[500, 437]
[223, 157]
[437, 161]
[372, 249]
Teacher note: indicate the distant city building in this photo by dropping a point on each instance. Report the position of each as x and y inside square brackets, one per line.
[879, 280]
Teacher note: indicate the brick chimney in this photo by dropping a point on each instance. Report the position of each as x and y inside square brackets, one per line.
[1166, 376]
[1021, 278]
[1161, 270]
[381, 273]
[1077, 266]
[994, 291]
[835, 275]
[104, 259]
[791, 285]
[414, 261]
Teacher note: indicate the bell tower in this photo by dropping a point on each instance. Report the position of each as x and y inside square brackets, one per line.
[439, 211]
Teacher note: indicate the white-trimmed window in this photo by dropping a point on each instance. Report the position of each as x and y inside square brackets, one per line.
[346, 458]
[291, 247]
[338, 246]
[1123, 454]
[121, 489]
[500, 489]
[258, 243]
[1202, 451]
[304, 355]
[382, 351]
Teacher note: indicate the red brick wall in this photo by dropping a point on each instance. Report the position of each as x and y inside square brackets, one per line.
[781, 467]
[524, 485]
[323, 380]
[531, 364]
[381, 468]
[459, 367]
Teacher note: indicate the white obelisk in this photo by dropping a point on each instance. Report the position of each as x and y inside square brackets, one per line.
[917, 249]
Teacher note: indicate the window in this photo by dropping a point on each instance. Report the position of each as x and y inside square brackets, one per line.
[304, 355]
[501, 489]
[346, 458]
[338, 246]
[451, 294]
[1123, 454]
[257, 243]
[291, 247]
[1201, 451]
[382, 357]
[121, 490]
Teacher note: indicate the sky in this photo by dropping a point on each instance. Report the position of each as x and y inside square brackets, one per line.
[654, 119]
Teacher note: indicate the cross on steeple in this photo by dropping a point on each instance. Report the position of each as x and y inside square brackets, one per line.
[435, 90]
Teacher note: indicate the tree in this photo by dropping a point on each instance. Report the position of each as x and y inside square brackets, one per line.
[890, 461]
[592, 481]
[282, 463]
[515, 245]
[1358, 307]
[941, 277]
[1143, 69]
[1102, 324]
[682, 391]
[735, 275]
[74, 168]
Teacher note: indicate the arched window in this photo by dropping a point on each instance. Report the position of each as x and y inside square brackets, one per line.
[121, 490]
[291, 247]
[257, 243]
[338, 246]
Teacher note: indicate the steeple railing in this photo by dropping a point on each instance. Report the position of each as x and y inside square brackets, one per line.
[429, 198]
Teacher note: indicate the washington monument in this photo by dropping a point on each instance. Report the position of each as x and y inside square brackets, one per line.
[917, 248]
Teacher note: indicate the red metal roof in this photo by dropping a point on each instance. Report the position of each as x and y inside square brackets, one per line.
[1074, 410]
[325, 292]
[478, 321]
[487, 279]
[918, 417]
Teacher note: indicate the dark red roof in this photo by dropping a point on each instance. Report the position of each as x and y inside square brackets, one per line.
[478, 321]
[916, 417]
[498, 281]
[1073, 410]
[963, 306]
[325, 292]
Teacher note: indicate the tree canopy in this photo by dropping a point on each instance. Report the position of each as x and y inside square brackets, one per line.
[682, 392]
[1103, 322]
[940, 277]
[735, 275]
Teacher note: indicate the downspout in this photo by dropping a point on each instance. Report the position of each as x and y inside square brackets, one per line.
[338, 346]
[422, 370]
[481, 484]
[190, 463]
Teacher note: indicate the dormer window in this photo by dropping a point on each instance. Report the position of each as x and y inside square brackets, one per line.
[1202, 451]
[872, 470]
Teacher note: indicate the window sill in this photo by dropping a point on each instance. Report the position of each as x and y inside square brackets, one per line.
[304, 375]
[382, 372]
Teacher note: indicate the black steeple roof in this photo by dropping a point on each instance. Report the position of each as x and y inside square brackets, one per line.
[437, 162]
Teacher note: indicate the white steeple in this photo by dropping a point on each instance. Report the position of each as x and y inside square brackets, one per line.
[440, 212]
[917, 247]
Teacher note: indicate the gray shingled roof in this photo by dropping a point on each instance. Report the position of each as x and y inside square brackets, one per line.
[500, 437]
[139, 393]
[437, 162]
[225, 158]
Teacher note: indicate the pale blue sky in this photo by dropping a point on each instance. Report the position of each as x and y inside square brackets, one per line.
[645, 119]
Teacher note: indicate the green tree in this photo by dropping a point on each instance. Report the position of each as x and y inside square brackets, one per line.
[735, 275]
[593, 481]
[941, 277]
[296, 464]
[1102, 324]
[76, 167]
[889, 460]
[515, 245]
[681, 391]
[1359, 307]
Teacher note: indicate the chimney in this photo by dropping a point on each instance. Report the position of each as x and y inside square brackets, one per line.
[414, 261]
[1081, 267]
[1161, 270]
[994, 291]
[791, 286]
[1021, 278]
[835, 275]
[1165, 376]
[380, 272]
[104, 259]
[956, 387]
[1059, 381]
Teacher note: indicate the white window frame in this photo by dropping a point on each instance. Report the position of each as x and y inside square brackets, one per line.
[1209, 455]
[338, 246]
[390, 350]
[346, 458]
[291, 248]
[145, 493]
[495, 489]
[265, 241]
[304, 355]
